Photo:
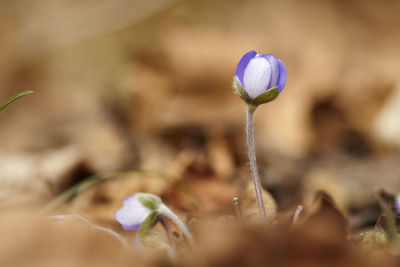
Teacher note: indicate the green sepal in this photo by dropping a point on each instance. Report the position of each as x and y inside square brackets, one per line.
[266, 97]
[240, 91]
[153, 240]
[149, 200]
[149, 222]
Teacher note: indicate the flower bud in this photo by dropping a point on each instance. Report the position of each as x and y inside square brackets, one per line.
[259, 78]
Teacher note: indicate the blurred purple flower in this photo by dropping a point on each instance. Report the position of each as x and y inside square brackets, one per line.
[142, 211]
[132, 214]
[257, 73]
[398, 204]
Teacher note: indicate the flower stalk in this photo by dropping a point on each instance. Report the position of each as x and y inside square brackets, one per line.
[164, 210]
[253, 162]
[259, 79]
[167, 229]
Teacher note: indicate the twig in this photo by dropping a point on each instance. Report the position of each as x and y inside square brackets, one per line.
[296, 215]
[238, 212]
[390, 218]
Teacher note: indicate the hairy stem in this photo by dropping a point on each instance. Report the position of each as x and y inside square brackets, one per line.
[253, 162]
[170, 250]
[164, 210]
[167, 229]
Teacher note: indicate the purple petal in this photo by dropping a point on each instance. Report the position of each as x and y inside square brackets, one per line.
[282, 75]
[132, 214]
[243, 64]
[131, 227]
[274, 69]
[257, 77]
[398, 204]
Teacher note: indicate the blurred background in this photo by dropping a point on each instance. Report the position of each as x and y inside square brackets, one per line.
[144, 87]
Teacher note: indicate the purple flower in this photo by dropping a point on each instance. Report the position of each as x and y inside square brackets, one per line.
[142, 211]
[257, 76]
[133, 213]
[397, 204]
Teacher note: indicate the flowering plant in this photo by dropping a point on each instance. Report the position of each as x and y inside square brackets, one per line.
[258, 79]
[142, 211]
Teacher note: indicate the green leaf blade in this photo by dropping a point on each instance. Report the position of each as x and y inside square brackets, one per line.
[15, 97]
